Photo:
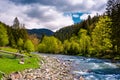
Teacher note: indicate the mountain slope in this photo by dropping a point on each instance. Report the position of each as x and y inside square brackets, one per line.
[69, 31]
[40, 32]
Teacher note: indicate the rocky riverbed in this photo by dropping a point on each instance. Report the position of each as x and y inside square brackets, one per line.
[50, 69]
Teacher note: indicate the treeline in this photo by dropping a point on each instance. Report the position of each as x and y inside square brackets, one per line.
[95, 37]
[16, 36]
[97, 43]
[69, 31]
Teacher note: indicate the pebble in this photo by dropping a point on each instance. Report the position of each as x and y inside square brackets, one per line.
[51, 69]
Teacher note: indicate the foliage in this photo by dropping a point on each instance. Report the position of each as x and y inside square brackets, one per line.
[101, 35]
[97, 36]
[3, 36]
[34, 40]
[20, 43]
[70, 31]
[66, 46]
[84, 41]
[71, 47]
[77, 44]
[113, 11]
[28, 46]
[16, 32]
[50, 45]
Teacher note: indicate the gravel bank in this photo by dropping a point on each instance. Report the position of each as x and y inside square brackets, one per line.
[51, 69]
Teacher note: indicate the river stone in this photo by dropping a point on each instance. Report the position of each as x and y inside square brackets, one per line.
[16, 76]
[50, 69]
[81, 78]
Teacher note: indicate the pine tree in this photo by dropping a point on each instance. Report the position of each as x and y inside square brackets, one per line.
[16, 23]
[113, 11]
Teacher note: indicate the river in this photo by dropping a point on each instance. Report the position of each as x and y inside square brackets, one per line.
[91, 68]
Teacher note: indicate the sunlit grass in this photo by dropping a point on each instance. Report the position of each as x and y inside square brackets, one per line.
[9, 63]
[9, 49]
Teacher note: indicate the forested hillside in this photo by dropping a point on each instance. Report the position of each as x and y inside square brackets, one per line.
[40, 32]
[94, 37]
[69, 31]
[97, 36]
[16, 36]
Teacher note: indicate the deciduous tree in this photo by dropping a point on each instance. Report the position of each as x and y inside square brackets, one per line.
[3, 36]
[28, 46]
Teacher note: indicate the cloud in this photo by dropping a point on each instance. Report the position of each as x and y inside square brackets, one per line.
[49, 13]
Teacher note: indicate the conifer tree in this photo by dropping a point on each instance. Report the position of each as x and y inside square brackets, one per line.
[113, 11]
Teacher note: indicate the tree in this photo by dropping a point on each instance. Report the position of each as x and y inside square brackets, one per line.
[84, 41]
[16, 23]
[50, 45]
[20, 43]
[42, 48]
[16, 32]
[3, 36]
[101, 35]
[66, 46]
[88, 22]
[34, 40]
[74, 47]
[113, 11]
[28, 46]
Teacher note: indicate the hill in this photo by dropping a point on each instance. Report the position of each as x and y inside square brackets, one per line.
[40, 32]
[69, 31]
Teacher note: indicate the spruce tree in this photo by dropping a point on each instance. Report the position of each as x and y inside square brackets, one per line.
[113, 11]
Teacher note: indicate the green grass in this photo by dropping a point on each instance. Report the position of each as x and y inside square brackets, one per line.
[9, 64]
[9, 49]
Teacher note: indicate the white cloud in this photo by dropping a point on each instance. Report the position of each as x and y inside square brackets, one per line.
[85, 16]
[75, 2]
[45, 14]
[51, 18]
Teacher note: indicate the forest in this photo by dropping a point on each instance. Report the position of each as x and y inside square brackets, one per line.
[97, 36]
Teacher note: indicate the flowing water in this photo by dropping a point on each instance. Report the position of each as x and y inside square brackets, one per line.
[91, 68]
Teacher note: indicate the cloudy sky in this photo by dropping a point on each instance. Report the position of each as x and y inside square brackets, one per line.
[50, 14]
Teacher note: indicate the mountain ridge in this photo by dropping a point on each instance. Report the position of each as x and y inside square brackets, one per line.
[40, 32]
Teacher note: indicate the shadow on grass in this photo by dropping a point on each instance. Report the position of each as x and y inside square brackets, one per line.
[9, 56]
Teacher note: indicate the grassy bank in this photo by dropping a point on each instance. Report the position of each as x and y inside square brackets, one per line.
[9, 49]
[9, 63]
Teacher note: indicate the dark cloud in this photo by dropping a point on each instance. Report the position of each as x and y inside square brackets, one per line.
[43, 2]
[67, 5]
[61, 5]
[25, 1]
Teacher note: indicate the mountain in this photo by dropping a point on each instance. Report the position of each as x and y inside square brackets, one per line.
[72, 30]
[40, 32]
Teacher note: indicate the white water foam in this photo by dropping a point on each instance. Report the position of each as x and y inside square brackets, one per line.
[79, 72]
[95, 66]
[110, 65]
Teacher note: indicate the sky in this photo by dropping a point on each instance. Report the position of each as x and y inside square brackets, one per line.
[50, 14]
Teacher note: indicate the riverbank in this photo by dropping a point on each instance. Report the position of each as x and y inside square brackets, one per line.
[51, 69]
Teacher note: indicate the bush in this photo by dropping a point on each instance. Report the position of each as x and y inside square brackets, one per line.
[28, 46]
[50, 45]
